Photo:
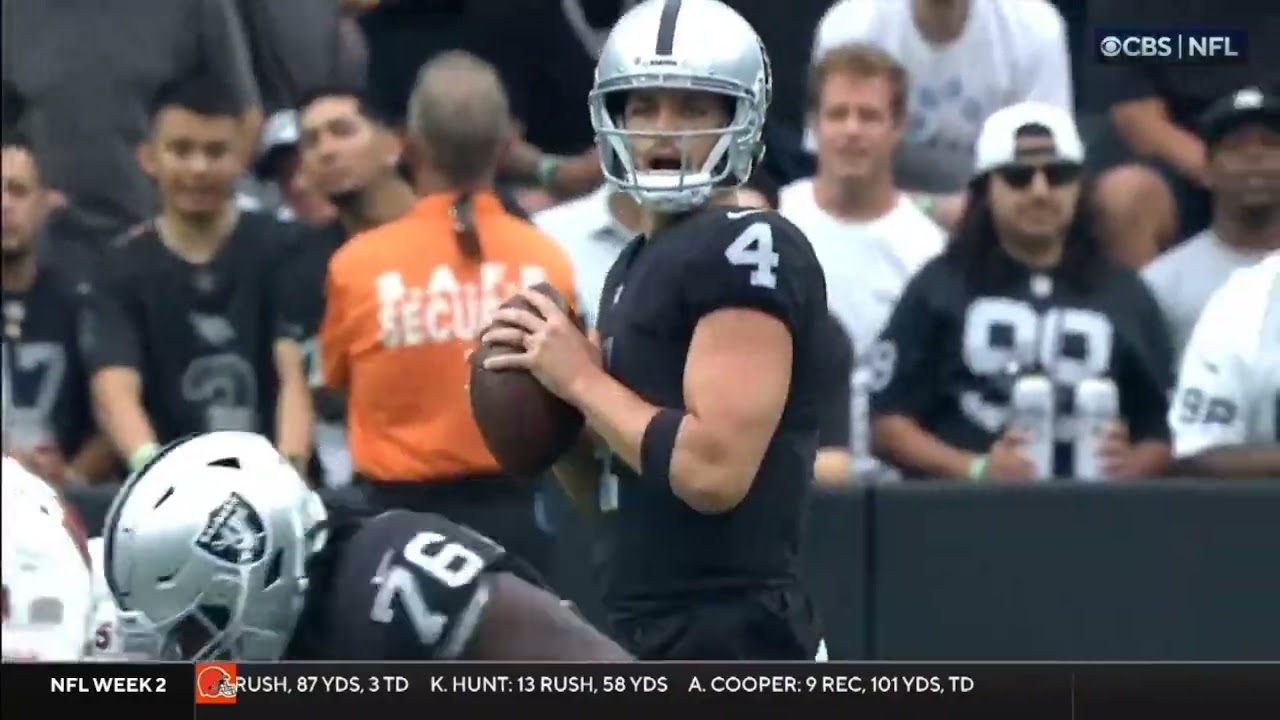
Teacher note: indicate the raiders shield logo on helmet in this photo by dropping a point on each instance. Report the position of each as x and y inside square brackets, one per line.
[235, 533]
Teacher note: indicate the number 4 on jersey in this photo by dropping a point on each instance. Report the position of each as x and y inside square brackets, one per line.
[754, 249]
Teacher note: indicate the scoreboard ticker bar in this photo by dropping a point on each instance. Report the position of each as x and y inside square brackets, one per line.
[1043, 691]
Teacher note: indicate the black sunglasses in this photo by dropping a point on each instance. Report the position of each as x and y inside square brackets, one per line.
[1056, 174]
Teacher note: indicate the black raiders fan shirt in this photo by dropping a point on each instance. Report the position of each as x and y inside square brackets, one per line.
[201, 336]
[651, 301]
[950, 355]
[47, 379]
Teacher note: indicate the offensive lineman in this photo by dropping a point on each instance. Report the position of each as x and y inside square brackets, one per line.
[707, 395]
[1226, 413]
[216, 549]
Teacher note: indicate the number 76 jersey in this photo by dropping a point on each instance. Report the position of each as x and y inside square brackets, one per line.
[652, 300]
[404, 586]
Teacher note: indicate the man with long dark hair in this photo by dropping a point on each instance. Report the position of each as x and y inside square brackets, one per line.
[1024, 288]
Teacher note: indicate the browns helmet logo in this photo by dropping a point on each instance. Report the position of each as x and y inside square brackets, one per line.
[215, 683]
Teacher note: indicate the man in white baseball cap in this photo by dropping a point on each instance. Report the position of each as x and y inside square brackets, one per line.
[1033, 156]
[1023, 289]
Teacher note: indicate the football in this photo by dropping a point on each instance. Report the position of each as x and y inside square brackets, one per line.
[524, 425]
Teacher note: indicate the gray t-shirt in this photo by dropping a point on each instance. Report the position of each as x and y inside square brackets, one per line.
[85, 73]
[1183, 278]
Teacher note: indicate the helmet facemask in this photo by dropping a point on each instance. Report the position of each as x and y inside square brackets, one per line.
[727, 165]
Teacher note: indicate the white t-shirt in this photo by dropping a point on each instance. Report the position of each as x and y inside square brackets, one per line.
[1229, 384]
[592, 238]
[867, 265]
[1010, 51]
[1184, 277]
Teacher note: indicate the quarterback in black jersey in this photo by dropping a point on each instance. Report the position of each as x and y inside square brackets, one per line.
[217, 549]
[1022, 289]
[181, 331]
[705, 388]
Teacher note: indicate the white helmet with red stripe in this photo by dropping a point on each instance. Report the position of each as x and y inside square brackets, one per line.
[48, 595]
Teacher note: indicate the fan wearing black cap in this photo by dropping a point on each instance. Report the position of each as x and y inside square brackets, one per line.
[1241, 133]
[1022, 289]
[1154, 108]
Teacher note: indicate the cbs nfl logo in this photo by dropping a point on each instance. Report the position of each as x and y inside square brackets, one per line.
[1162, 46]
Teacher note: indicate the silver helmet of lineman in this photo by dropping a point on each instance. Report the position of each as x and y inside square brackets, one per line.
[206, 550]
[698, 45]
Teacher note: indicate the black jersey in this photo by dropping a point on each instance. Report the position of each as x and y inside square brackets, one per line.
[201, 336]
[651, 301]
[302, 307]
[49, 390]
[949, 356]
[835, 429]
[397, 586]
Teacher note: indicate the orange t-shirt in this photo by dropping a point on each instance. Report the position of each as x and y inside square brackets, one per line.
[403, 310]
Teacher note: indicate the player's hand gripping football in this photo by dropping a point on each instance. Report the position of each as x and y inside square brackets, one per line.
[555, 350]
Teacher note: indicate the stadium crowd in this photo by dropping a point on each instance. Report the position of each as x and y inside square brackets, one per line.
[233, 215]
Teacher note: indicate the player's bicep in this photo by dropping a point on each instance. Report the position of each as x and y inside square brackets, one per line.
[738, 395]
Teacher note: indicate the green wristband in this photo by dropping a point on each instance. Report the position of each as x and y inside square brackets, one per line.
[546, 172]
[139, 457]
[978, 468]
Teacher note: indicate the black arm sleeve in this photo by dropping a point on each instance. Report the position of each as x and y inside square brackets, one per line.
[1147, 374]
[110, 327]
[900, 362]
[298, 300]
[835, 423]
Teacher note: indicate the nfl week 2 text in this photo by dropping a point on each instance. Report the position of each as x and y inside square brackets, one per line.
[122, 684]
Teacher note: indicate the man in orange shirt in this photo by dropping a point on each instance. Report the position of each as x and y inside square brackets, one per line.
[407, 302]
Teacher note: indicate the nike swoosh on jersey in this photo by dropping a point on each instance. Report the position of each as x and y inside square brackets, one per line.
[735, 214]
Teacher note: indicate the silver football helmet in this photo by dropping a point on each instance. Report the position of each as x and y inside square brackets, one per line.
[686, 45]
[206, 550]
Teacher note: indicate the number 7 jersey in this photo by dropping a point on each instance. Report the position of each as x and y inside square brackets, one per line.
[652, 300]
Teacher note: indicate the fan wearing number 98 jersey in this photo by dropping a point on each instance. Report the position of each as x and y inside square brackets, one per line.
[217, 549]
[1226, 412]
